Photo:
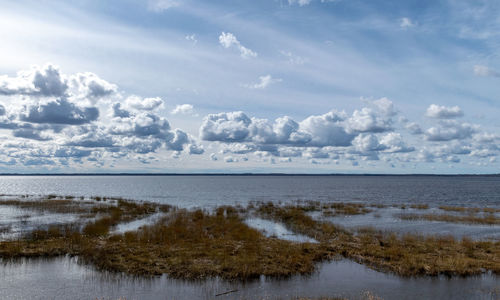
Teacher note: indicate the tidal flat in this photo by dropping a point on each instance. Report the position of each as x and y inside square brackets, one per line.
[261, 241]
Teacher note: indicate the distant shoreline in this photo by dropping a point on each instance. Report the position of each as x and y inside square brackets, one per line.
[246, 174]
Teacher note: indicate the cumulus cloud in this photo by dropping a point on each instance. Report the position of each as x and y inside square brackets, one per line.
[325, 130]
[367, 145]
[451, 130]
[183, 109]
[330, 129]
[414, 128]
[484, 71]
[41, 81]
[372, 119]
[264, 82]
[53, 119]
[225, 127]
[90, 86]
[367, 133]
[63, 111]
[393, 142]
[228, 40]
[230, 159]
[32, 134]
[59, 111]
[146, 104]
[443, 112]
[142, 124]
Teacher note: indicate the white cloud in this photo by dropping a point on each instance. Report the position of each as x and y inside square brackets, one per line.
[162, 5]
[183, 109]
[54, 110]
[330, 129]
[264, 82]
[228, 40]
[144, 104]
[451, 130]
[326, 130]
[293, 59]
[484, 71]
[414, 128]
[306, 2]
[393, 142]
[43, 81]
[60, 111]
[299, 2]
[90, 86]
[443, 112]
[230, 159]
[192, 38]
[406, 23]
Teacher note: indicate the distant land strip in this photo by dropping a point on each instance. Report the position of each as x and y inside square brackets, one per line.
[245, 174]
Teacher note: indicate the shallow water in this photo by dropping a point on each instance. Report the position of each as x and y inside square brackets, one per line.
[136, 224]
[386, 219]
[15, 222]
[273, 229]
[64, 278]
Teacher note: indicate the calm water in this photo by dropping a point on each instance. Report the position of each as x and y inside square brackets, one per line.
[188, 191]
[64, 278]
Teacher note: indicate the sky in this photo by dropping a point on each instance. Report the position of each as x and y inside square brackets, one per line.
[264, 86]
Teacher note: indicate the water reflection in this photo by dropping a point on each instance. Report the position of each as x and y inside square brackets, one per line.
[65, 278]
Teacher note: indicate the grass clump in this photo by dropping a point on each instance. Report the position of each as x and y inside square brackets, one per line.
[471, 210]
[487, 219]
[419, 206]
[198, 244]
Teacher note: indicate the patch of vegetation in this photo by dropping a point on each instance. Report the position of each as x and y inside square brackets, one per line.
[407, 255]
[487, 219]
[341, 208]
[185, 244]
[419, 206]
[194, 244]
[469, 209]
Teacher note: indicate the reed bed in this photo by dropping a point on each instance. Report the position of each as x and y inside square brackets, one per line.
[194, 244]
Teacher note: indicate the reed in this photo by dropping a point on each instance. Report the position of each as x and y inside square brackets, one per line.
[195, 244]
[487, 219]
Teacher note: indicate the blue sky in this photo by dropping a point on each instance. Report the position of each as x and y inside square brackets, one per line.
[315, 86]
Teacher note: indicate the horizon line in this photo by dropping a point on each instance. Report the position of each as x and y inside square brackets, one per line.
[246, 174]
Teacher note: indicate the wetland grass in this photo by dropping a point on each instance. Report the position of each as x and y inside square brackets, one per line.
[194, 244]
[486, 219]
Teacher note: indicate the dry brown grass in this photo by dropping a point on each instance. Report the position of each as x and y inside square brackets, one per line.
[342, 208]
[52, 204]
[487, 219]
[406, 255]
[419, 206]
[199, 244]
[470, 209]
[186, 244]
